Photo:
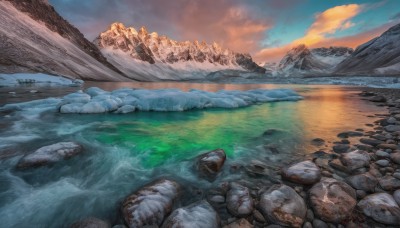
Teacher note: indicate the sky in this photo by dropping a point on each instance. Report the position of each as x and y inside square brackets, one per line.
[266, 29]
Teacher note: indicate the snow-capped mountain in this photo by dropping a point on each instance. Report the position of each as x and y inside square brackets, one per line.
[35, 38]
[301, 60]
[379, 56]
[147, 56]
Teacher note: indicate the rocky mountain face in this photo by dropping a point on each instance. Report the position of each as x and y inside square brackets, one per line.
[35, 38]
[122, 45]
[301, 60]
[379, 56]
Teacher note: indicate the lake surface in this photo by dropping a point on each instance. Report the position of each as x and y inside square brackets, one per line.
[124, 152]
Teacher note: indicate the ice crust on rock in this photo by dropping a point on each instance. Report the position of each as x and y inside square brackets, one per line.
[95, 100]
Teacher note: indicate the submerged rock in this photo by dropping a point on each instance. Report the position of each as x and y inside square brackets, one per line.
[381, 207]
[332, 200]
[347, 134]
[50, 154]
[341, 148]
[149, 205]
[91, 223]
[282, 205]
[239, 201]
[305, 172]
[210, 163]
[355, 159]
[317, 142]
[196, 215]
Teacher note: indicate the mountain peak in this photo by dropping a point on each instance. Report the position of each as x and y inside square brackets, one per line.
[117, 26]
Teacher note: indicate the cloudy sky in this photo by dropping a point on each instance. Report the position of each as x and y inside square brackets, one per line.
[267, 29]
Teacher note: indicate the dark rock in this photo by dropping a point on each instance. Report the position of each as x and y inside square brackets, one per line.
[364, 181]
[360, 194]
[338, 165]
[365, 147]
[396, 196]
[50, 154]
[389, 183]
[149, 205]
[210, 163]
[382, 154]
[271, 131]
[258, 216]
[355, 159]
[381, 207]
[305, 172]
[387, 146]
[395, 157]
[310, 215]
[341, 148]
[392, 128]
[239, 201]
[317, 142]
[382, 162]
[320, 224]
[241, 223]
[377, 98]
[379, 137]
[282, 205]
[347, 134]
[91, 223]
[199, 214]
[372, 142]
[307, 225]
[332, 200]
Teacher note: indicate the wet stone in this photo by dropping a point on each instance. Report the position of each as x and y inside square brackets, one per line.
[382, 162]
[355, 159]
[239, 201]
[210, 163]
[317, 142]
[365, 182]
[389, 183]
[372, 142]
[341, 148]
[305, 172]
[348, 134]
[381, 207]
[91, 223]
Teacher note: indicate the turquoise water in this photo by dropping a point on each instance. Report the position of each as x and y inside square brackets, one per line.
[123, 152]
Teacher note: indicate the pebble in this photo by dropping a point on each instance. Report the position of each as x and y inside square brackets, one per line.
[382, 162]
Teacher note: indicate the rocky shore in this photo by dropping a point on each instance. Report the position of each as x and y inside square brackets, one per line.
[346, 185]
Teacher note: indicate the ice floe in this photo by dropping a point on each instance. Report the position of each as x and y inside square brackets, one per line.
[95, 100]
[37, 79]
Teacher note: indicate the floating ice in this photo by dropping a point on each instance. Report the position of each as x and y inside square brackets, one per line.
[95, 100]
[37, 79]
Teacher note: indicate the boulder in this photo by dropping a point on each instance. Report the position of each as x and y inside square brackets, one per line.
[355, 159]
[196, 215]
[149, 205]
[241, 223]
[305, 172]
[283, 206]
[392, 128]
[332, 200]
[239, 201]
[210, 163]
[381, 207]
[50, 154]
[365, 182]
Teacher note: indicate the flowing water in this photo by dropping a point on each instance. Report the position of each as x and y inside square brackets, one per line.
[124, 152]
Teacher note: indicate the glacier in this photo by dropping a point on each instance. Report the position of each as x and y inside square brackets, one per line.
[126, 100]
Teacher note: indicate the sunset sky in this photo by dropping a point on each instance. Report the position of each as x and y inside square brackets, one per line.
[267, 29]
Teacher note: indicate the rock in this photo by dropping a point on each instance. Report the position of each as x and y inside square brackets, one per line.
[396, 175]
[396, 196]
[395, 157]
[305, 172]
[347, 134]
[210, 163]
[360, 194]
[341, 148]
[320, 224]
[392, 128]
[332, 200]
[317, 142]
[377, 98]
[50, 154]
[382, 162]
[381, 207]
[387, 146]
[389, 183]
[382, 154]
[271, 131]
[307, 225]
[241, 223]
[379, 137]
[391, 120]
[355, 159]
[91, 223]
[310, 215]
[196, 215]
[149, 205]
[258, 216]
[217, 199]
[364, 181]
[338, 165]
[239, 201]
[282, 205]
[372, 142]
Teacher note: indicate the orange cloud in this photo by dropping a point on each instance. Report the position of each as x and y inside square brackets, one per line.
[326, 23]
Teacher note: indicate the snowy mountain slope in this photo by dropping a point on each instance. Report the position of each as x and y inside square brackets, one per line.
[380, 55]
[301, 60]
[34, 38]
[148, 56]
